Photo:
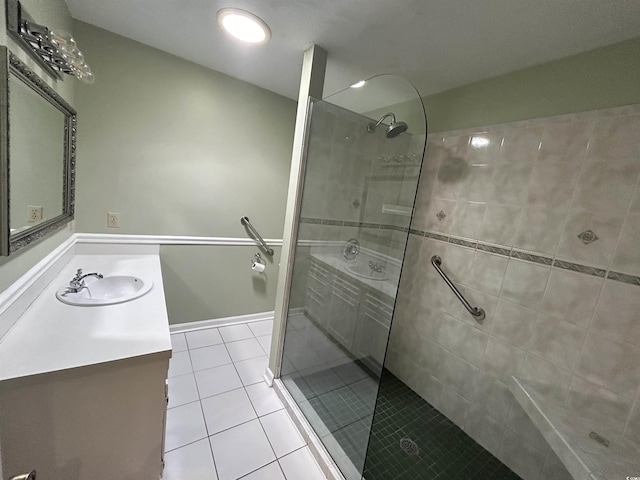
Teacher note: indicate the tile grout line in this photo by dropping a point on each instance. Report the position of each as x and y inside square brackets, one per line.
[624, 222]
[253, 407]
[204, 418]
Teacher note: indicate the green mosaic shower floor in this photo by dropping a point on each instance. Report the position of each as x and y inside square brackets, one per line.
[434, 447]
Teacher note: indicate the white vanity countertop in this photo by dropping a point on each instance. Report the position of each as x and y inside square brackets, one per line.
[52, 336]
[389, 287]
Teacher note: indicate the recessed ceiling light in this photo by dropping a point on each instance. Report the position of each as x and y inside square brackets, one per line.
[358, 84]
[244, 25]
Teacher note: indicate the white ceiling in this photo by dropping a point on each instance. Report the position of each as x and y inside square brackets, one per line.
[435, 44]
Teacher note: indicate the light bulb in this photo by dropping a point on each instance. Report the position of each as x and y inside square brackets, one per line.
[243, 25]
[63, 39]
[75, 58]
[84, 73]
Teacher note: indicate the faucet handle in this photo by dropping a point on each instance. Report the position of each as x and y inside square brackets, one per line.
[351, 249]
[76, 282]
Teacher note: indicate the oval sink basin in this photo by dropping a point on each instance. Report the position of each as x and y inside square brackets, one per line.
[364, 271]
[106, 291]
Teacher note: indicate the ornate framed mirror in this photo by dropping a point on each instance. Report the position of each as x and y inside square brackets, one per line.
[37, 156]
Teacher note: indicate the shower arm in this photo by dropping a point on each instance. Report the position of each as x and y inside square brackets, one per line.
[371, 127]
[245, 221]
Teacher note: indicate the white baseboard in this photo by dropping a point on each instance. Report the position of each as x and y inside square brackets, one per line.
[296, 311]
[220, 322]
[268, 377]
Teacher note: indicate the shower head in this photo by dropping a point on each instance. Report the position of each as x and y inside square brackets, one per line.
[393, 130]
[396, 128]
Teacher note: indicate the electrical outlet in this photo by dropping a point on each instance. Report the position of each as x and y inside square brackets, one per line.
[34, 213]
[113, 220]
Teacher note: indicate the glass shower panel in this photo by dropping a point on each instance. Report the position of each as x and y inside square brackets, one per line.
[357, 201]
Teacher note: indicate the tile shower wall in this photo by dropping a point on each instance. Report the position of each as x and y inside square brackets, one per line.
[537, 222]
[350, 175]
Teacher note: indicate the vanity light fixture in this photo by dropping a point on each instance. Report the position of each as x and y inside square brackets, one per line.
[244, 25]
[55, 51]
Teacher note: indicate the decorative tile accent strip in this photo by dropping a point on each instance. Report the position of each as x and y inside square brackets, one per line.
[529, 257]
[464, 243]
[587, 237]
[338, 223]
[436, 236]
[348, 223]
[315, 221]
[623, 277]
[505, 252]
[596, 272]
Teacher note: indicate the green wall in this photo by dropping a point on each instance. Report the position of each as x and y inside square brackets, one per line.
[601, 78]
[176, 148]
[203, 281]
[179, 149]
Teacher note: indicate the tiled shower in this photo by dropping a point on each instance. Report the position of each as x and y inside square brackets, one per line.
[359, 187]
[538, 223]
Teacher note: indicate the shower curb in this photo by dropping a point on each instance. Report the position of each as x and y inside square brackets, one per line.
[319, 452]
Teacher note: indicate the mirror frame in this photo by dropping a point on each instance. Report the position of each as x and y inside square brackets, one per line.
[12, 65]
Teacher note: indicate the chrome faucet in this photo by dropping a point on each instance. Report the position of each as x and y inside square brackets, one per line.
[77, 283]
[376, 267]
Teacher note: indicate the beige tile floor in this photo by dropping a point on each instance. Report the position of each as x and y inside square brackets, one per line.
[223, 421]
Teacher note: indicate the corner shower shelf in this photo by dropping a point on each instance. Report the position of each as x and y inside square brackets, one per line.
[589, 451]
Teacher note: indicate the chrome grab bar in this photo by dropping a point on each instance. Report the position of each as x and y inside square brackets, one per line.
[245, 221]
[477, 312]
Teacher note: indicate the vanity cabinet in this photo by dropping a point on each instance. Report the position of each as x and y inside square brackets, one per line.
[343, 309]
[318, 291]
[98, 422]
[83, 389]
[356, 315]
[374, 321]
